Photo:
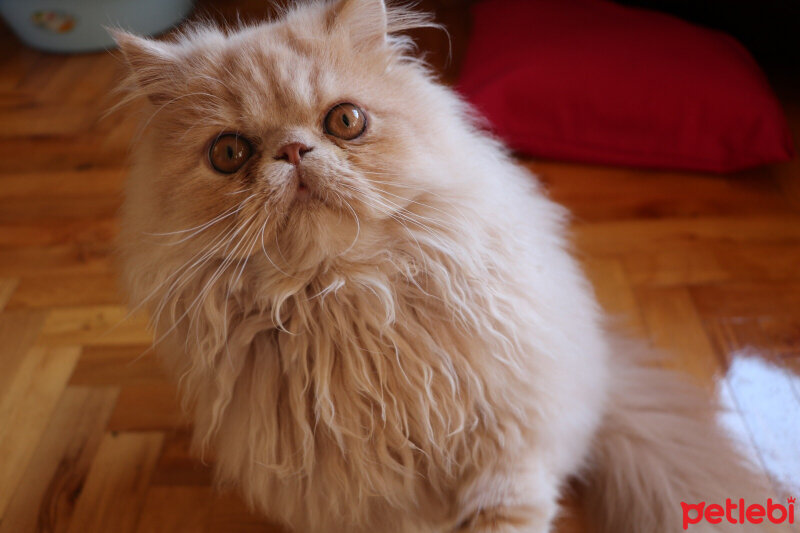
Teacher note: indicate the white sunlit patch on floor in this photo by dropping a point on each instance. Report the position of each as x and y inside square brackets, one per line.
[762, 402]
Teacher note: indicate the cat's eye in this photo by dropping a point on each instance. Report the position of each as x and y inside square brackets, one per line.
[346, 121]
[229, 152]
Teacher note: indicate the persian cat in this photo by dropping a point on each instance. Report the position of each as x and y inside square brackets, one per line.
[371, 309]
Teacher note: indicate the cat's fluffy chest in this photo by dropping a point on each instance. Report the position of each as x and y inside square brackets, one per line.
[346, 382]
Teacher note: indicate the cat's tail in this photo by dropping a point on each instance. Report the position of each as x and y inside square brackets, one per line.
[661, 449]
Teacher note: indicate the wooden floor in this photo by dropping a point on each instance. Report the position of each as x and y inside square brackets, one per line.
[91, 436]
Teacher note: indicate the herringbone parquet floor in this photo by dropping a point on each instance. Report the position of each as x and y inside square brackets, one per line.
[91, 436]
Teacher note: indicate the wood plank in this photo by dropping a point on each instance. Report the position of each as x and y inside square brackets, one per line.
[15, 62]
[41, 67]
[614, 292]
[116, 487]
[230, 514]
[146, 407]
[94, 326]
[72, 258]
[675, 327]
[57, 470]
[87, 232]
[592, 192]
[58, 184]
[178, 465]
[176, 509]
[69, 207]
[776, 338]
[18, 332]
[26, 408]
[38, 120]
[650, 236]
[7, 287]
[710, 263]
[57, 152]
[117, 365]
[69, 290]
[748, 299]
[80, 79]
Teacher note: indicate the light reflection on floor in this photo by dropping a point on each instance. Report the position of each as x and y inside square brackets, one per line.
[762, 401]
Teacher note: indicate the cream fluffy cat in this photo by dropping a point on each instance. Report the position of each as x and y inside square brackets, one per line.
[371, 308]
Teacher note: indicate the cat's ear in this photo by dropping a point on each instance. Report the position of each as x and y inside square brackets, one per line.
[153, 65]
[365, 20]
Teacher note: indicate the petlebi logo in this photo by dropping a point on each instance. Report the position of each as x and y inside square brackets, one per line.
[738, 512]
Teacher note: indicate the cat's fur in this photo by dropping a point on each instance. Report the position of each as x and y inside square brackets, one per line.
[413, 351]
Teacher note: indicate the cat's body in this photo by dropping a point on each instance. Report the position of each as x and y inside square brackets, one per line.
[407, 348]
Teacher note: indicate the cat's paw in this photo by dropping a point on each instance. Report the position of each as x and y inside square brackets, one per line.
[517, 519]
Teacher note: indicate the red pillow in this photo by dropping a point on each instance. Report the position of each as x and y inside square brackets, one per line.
[595, 81]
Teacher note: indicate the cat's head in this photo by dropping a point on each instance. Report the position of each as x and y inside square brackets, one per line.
[308, 137]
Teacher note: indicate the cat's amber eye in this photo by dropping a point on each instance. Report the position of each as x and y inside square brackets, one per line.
[346, 121]
[229, 152]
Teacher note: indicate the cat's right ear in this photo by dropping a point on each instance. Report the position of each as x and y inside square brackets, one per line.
[153, 65]
[364, 20]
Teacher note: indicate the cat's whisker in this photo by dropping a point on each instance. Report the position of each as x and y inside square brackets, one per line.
[174, 275]
[415, 218]
[198, 227]
[230, 253]
[399, 216]
[278, 247]
[195, 306]
[266, 254]
[202, 227]
[178, 274]
[231, 287]
[209, 251]
[417, 203]
[419, 219]
[217, 273]
[181, 282]
[358, 226]
[395, 184]
[240, 191]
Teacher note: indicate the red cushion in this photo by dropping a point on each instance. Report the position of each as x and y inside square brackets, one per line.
[595, 81]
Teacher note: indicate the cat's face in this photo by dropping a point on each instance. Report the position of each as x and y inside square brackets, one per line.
[311, 134]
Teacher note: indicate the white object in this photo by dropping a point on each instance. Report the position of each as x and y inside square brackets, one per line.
[80, 25]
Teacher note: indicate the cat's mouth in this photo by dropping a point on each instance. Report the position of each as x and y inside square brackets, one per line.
[304, 189]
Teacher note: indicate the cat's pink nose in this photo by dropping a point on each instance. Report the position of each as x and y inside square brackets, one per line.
[293, 152]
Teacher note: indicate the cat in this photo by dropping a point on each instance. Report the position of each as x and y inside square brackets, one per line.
[371, 309]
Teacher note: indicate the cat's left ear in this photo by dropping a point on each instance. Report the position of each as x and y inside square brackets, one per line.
[364, 20]
[153, 64]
